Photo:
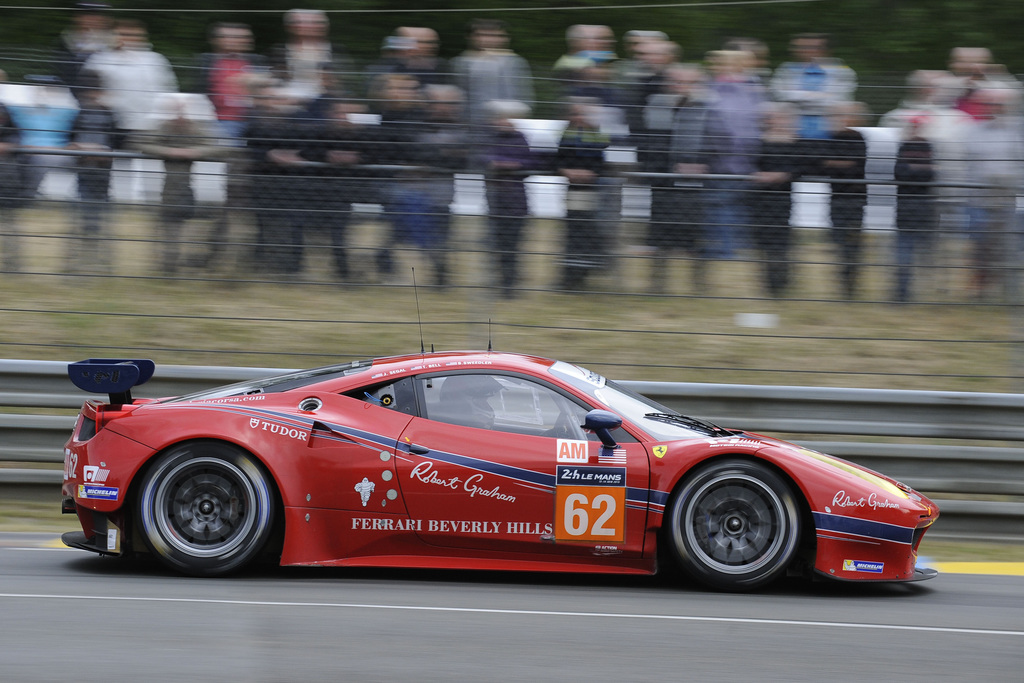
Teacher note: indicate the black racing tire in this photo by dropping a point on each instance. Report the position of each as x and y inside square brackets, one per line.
[733, 525]
[205, 508]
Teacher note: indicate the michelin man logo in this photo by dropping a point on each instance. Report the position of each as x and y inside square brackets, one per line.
[364, 489]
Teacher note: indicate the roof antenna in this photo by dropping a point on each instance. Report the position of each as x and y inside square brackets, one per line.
[419, 320]
[488, 335]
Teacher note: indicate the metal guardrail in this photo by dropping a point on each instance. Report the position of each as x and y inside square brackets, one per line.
[975, 485]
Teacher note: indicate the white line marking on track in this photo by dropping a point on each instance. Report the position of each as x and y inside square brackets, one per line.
[526, 612]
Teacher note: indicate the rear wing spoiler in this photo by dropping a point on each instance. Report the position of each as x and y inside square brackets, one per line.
[111, 376]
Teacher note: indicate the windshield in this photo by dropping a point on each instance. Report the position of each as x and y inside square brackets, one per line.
[661, 422]
[277, 383]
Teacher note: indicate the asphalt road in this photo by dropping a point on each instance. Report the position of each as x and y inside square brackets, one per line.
[68, 615]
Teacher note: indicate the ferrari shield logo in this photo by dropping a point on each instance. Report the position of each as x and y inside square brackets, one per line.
[660, 451]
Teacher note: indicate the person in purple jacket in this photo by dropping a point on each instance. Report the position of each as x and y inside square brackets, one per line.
[507, 158]
[732, 139]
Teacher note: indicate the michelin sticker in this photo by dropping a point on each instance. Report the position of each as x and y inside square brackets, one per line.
[92, 492]
[862, 566]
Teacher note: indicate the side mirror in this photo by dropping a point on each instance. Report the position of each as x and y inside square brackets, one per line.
[602, 422]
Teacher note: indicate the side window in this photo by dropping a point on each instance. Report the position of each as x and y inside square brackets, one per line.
[502, 403]
[399, 396]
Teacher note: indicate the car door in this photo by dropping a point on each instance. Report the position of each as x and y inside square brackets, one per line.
[499, 462]
[349, 461]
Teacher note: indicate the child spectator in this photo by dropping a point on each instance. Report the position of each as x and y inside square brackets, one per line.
[843, 157]
[780, 161]
[915, 204]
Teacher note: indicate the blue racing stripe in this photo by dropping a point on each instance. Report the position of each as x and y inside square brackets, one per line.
[863, 527]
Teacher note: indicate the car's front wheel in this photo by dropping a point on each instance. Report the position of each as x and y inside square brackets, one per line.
[734, 525]
[205, 508]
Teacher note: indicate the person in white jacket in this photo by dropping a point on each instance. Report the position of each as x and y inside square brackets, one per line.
[995, 158]
[132, 75]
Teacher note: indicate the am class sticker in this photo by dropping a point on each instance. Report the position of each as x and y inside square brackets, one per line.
[572, 451]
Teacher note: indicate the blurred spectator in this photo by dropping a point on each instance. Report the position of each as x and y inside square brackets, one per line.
[578, 39]
[184, 133]
[332, 89]
[280, 175]
[223, 76]
[390, 62]
[440, 145]
[596, 81]
[929, 106]
[44, 123]
[94, 130]
[813, 81]
[973, 72]
[640, 75]
[132, 75]
[672, 143]
[781, 161]
[343, 146]
[967, 64]
[90, 33]
[11, 194]
[760, 57]
[580, 159]
[995, 157]
[489, 71]
[301, 61]
[915, 205]
[402, 115]
[731, 142]
[842, 158]
[422, 61]
[588, 44]
[507, 159]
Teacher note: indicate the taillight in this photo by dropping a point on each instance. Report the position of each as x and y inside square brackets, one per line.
[87, 430]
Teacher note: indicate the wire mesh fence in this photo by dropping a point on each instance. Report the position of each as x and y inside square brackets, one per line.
[685, 227]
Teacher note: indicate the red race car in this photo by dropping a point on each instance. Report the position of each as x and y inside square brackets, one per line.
[467, 460]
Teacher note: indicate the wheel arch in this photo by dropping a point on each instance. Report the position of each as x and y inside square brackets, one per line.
[131, 500]
[807, 539]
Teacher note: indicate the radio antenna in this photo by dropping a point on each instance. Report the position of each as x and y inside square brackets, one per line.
[488, 335]
[419, 320]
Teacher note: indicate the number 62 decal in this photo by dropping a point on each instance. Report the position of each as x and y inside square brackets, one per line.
[590, 513]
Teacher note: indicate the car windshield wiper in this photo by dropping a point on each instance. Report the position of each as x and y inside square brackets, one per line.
[693, 422]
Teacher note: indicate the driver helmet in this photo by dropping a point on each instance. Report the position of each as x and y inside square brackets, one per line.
[471, 393]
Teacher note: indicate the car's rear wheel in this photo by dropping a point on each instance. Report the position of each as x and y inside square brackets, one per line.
[205, 508]
[734, 525]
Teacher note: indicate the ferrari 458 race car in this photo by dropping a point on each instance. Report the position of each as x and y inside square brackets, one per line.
[467, 460]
